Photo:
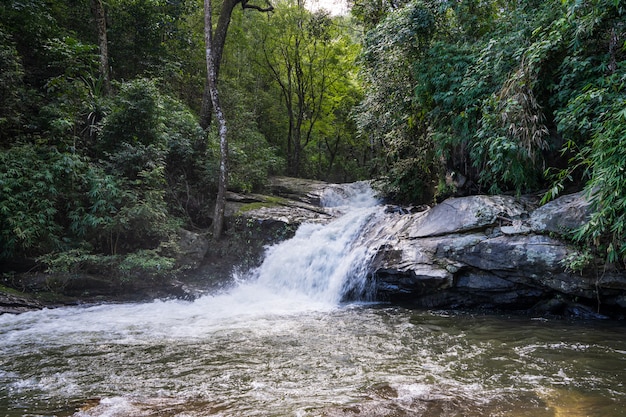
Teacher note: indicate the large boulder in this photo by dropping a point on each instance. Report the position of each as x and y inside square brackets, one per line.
[464, 214]
[489, 252]
[562, 215]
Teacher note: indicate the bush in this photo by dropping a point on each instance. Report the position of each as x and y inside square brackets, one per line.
[29, 192]
[11, 88]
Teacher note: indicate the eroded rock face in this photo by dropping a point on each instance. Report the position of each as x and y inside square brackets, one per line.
[490, 252]
[14, 304]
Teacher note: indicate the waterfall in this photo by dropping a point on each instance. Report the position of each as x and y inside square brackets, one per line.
[317, 269]
[327, 263]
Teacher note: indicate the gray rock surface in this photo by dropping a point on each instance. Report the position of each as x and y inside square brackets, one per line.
[490, 252]
[193, 248]
[13, 304]
[561, 215]
[456, 215]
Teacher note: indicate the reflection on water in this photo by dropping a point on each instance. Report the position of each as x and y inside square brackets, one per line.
[343, 361]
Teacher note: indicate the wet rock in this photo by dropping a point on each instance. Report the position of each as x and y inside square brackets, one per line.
[13, 304]
[561, 307]
[483, 281]
[291, 215]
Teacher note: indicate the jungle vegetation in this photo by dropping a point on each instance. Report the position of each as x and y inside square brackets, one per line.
[103, 160]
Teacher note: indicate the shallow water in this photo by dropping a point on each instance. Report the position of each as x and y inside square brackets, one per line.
[167, 359]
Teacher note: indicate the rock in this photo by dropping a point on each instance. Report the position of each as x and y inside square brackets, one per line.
[531, 255]
[13, 304]
[192, 249]
[562, 215]
[613, 280]
[291, 215]
[490, 252]
[298, 189]
[456, 215]
[483, 281]
[298, 201]
[517, 227]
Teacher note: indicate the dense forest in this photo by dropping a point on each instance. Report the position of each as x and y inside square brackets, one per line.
[108, 145]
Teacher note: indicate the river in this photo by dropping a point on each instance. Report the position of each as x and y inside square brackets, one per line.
[283, 343]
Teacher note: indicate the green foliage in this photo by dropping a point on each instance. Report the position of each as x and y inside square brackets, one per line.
[135, 118]
[307, 61]
[387, 116]
[144, 262]
[590, 114]
[251, 159]
[578, 261]
[509, 95]
[54, 201]
[28, 194]
[606, 229]
[156, 145]
[11, 88]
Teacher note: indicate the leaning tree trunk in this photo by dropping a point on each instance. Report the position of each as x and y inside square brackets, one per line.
[100, 17]
[218, 222]
[218, 42]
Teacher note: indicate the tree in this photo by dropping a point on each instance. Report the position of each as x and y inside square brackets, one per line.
[100, 17]
[218, 221]
[311, 62]
[388, 116]
[218, 39]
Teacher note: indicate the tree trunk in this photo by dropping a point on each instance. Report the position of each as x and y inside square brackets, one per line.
[100, 17]
[219, 40]
[220, 203]
[218, 43]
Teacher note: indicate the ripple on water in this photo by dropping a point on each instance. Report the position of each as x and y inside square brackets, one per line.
[348, 361]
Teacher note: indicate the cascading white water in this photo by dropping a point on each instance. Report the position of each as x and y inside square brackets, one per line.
[324, 262]
[310, 272]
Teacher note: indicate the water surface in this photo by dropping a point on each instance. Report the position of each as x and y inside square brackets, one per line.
[167, 359]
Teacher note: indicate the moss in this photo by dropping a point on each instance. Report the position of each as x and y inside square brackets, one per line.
[268, 201]
[255, 206]
[12, 291]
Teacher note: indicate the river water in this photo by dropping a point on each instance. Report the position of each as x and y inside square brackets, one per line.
[282, 343]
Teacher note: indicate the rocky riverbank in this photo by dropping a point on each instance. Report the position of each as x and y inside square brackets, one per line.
[495, 252]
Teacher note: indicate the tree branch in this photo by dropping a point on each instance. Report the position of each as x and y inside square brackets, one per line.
[245, 5]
